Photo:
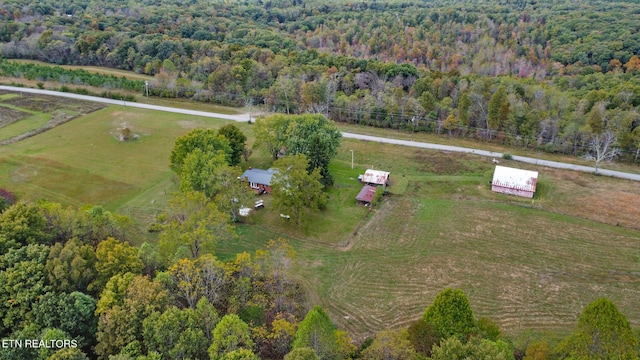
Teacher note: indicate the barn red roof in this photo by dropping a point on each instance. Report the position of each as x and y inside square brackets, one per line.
[367, 193]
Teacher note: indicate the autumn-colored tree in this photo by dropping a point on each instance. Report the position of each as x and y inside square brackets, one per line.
[114, 257]
[120, 322]
[204, 277]
[422, 337]
[390, 344]
[450, 123]
[633, 64]
[71, 266]
[21, 224]
[194, 222]
[302, 353]
[539, 350]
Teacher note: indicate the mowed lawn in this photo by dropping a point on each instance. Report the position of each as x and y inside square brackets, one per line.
[83, 161]
[526, 264]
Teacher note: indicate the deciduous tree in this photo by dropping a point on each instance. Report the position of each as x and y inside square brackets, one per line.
[175, 334]
[207, 141]
[295, 190]
[204, 277]
[22, 282]
[454, 349]
[451, 314]
[317, 331]
[114, 257]
[390, 345]
[236, 141]
[21, 224]
[196, 173]
[71, 266]
[194, 222]
[602, 147]
[302, 353]
[231, 334]
[602, 332]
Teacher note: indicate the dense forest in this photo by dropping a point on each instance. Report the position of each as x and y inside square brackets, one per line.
[545, 74]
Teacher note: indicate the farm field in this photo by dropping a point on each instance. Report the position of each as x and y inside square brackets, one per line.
[527, 264]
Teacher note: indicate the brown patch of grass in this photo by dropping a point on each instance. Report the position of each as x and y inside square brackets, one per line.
[48, 104]
[9, 116]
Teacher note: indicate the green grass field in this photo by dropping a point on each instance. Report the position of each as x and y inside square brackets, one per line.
[527, 264]
[83, 162]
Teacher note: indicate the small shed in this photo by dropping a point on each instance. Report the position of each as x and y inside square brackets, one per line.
[367, 194]
[512, 181]
[259, 179]
[376, 177]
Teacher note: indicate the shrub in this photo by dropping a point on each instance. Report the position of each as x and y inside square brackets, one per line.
[507, 156]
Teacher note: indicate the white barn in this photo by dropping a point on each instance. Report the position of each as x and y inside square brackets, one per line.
[376, 177]
[514, 181]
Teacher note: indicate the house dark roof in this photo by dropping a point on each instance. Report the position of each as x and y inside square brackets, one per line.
[367, 193]
[259, 176]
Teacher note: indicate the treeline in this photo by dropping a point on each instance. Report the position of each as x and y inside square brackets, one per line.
[555, 81]
[58, 74]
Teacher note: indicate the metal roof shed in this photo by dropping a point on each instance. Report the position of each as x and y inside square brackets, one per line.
[512, 181]
[367, 194]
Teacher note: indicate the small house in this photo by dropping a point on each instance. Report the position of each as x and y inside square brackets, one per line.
[376, 177]
[514, 181]
[366, 195]
[259, 179]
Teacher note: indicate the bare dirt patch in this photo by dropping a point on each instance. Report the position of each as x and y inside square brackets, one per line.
[47, 104]
[9, 116]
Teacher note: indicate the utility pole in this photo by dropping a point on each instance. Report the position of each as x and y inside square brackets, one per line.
[351, 158]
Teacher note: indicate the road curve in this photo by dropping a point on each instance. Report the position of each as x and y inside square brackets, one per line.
[422, 145]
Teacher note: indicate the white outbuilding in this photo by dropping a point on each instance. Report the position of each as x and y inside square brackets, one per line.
[512, 181]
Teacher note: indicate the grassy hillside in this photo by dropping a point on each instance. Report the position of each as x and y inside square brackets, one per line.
[527, 264]
[84, 162]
